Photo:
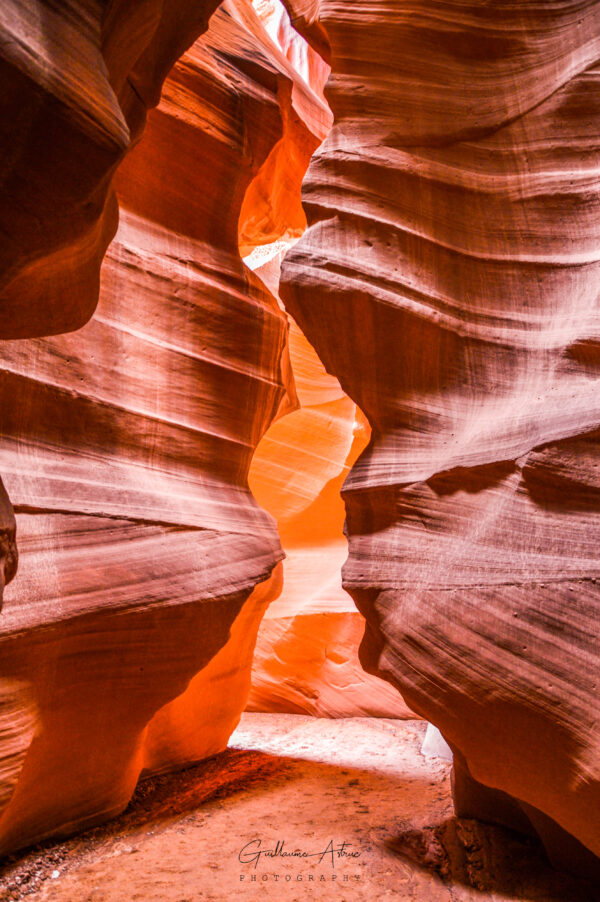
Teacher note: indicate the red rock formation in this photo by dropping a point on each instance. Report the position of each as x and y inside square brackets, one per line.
[448, 278]
[126, 453]
[272, 208]
[78, 78]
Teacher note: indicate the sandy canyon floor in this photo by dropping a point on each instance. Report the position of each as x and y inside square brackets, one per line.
[372, 814]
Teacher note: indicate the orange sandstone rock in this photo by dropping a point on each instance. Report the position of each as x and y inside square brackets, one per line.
[146, 564]
[78, 78]
[306, 658]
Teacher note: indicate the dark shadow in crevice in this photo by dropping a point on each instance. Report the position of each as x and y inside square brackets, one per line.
[488, 859]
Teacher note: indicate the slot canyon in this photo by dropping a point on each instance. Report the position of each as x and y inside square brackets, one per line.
[300, 450]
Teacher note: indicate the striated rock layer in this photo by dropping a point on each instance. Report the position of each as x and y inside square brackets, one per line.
[449, 280]
[146, 564]
[305, 659]
[78, 77]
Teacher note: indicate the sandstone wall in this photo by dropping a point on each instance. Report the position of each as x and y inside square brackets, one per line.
[146, 564]
[449, 280]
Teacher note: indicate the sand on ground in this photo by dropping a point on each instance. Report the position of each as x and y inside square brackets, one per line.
[338, 810]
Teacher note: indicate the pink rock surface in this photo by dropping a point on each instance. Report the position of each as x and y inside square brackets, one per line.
[78, 78]
[448, 279]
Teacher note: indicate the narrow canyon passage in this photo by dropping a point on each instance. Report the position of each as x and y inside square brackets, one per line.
[146, 565]
[299, 331]
[306, 654]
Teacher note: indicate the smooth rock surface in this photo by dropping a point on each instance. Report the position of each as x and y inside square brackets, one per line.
[78, 79]
[449, 280]
[146, 563]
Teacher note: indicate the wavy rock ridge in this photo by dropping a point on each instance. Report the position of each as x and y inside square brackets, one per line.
[78, 79]
[448, 279]
[146, 564]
